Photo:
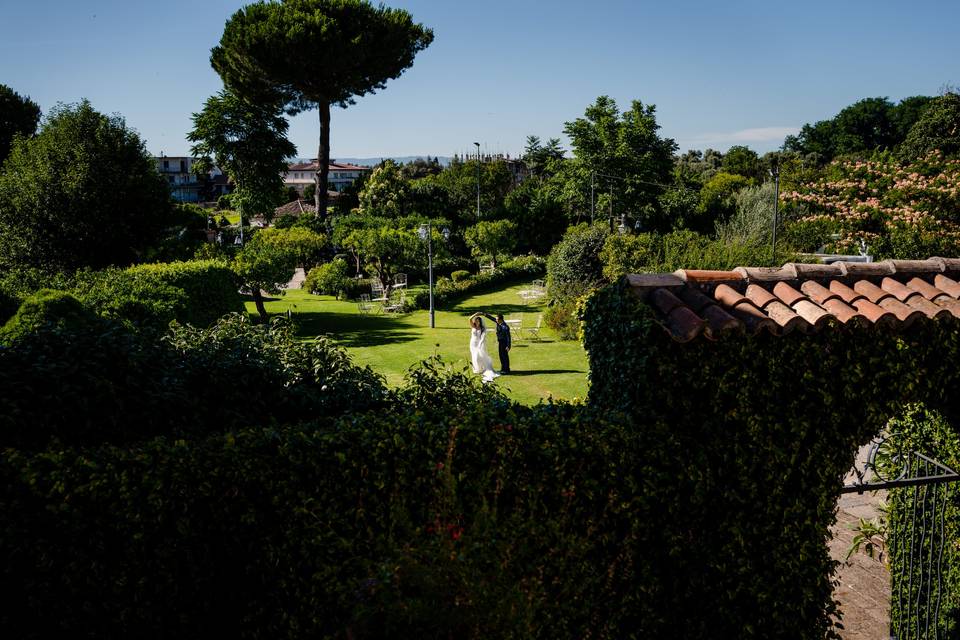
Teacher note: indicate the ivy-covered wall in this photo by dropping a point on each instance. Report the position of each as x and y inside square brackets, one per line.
[765, 428]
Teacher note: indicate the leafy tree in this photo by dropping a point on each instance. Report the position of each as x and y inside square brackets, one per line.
[632, 161]
[317, 53]
[717, 200]
[742, 161]
[574, 266]
[385, 192]
[489, 239]
[386, 246]
[247, 140]
[19, 115]
[306, 245]
[542, 158]
[82, 192]
[421, 168]
[539, 215]
[263, 266]
[907, 113]
[309, 192]
[459, 181]
[937, 129]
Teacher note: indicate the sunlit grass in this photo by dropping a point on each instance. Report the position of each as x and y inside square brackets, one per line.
[391, 344]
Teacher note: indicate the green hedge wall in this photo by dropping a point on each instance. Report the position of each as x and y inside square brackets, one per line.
[86, 383]
[767, 426]
[481, 519]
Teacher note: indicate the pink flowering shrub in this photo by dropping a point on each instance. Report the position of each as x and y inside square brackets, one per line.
[899, 210]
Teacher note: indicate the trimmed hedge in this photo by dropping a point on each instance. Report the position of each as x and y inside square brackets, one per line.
[446, 291]
[86, 384]
[768, 425]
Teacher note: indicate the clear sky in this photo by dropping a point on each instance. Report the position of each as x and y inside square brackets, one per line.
[719, 72]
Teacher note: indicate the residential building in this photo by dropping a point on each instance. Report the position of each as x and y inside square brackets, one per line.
[339, 177]
[185, 185]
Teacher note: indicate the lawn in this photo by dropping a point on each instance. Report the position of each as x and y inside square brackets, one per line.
[391, 344]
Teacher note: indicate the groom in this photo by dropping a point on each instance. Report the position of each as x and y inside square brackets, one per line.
[503, 341]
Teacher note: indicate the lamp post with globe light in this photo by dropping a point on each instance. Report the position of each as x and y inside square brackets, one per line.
[426, 233]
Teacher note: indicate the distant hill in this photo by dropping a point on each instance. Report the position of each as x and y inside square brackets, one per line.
[369, 162]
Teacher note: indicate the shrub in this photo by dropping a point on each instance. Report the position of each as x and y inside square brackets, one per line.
[459, 276]
[574, 266]
[561, 317]
[45, 310]
[118, 386]
[447, 290]
[328, 279]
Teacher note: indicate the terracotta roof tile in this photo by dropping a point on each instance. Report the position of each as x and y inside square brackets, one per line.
[805, 297]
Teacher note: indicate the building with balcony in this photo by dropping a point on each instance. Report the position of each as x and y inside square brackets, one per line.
[187, 186]
[340, 176]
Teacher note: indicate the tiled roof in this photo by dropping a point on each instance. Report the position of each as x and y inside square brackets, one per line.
[296, 208]
[801, 297]
[333, 166]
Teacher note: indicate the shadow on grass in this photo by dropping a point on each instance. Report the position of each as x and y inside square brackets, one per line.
[537, 372]
[494, 309]
[352, 330]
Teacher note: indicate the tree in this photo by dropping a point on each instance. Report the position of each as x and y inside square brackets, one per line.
[937, 129]
[742, 161]
[459, 182]
[717, 200]
[263, 266]
[306, 245]
[629, 160]
[540, 158]
[386, 246]
[539, 216]
[385, 192]
[83, 192]
[317, 53]
[19, 115]
[489, 239]
[249, 142]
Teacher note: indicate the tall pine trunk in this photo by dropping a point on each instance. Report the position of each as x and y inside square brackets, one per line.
[323, 160]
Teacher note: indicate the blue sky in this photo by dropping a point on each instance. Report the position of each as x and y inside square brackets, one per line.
[720, 73]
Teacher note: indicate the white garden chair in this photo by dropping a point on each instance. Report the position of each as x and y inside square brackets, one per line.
[534, 332]
[378, 293]
[397, 302]
[399, 280]
[365, 306]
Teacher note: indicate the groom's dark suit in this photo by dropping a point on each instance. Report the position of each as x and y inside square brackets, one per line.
[503, 343]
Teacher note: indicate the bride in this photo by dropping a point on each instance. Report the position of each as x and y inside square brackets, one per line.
[478, 349]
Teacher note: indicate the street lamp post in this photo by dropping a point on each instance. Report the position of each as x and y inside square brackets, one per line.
[477, 144]
[425, 232]
[775, 172]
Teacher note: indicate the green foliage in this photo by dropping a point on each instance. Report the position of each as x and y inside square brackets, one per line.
[628, 154]
[82, 192]
[872, 124]
[717, 201]
[561, 317]
[449, 290]
[197, 292]
[937, 129]
[453, 192]
[113, 385]
[754, 447]
[752, 221]
[19, 116]
[385, 246]
[248, 140]
[927, 432]
[386, 192]
[263, 266]
[328, 279]
[459, 276]
[574, 266]
[308, 246]
[742, 161]
[489, 239]
[539, 215]
[260, 41]
[45, 310]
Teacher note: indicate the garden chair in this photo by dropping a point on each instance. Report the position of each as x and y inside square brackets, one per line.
[534, 332]
[397, 302]
[399, 280]
[378, 293]
[365, 305]
[516, 327]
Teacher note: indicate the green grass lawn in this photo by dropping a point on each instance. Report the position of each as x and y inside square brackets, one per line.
[391, 344]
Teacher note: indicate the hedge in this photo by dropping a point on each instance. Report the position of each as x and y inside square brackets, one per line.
[90, 383]
[767, 426]
[446, 291]
[485, 520]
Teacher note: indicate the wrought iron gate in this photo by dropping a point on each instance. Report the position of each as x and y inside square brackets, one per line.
[915, 533]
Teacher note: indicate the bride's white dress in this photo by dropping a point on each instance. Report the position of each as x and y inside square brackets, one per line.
[482, 363]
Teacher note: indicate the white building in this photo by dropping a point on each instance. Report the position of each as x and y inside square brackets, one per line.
[340, 175]
[185, 185]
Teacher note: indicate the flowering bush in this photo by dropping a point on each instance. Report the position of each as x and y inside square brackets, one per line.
[896, 209]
